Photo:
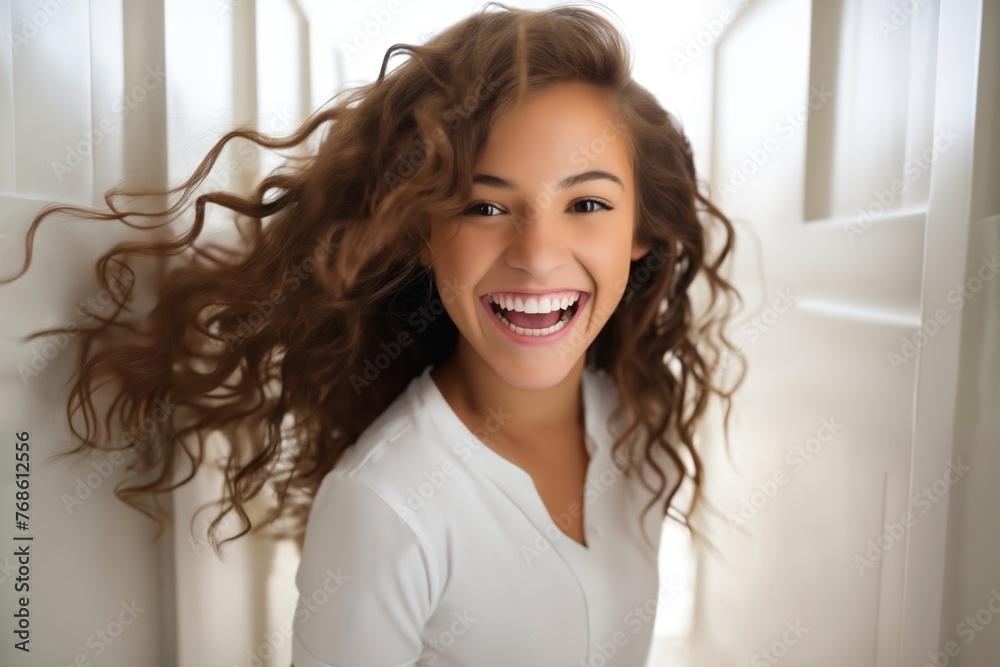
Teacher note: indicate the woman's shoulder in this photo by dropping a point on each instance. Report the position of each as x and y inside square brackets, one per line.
[398, 448]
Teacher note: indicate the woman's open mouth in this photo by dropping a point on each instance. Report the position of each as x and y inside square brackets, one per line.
[534, 328]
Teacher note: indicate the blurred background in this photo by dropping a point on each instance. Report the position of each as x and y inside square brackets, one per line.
[855, 145]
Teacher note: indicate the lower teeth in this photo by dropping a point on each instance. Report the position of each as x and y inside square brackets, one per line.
[548, 331]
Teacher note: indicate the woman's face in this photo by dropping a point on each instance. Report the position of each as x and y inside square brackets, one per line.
[524, 234]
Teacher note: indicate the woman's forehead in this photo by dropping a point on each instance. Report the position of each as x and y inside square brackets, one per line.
[568, 133]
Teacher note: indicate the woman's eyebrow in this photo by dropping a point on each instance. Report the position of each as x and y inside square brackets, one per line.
[569, 181]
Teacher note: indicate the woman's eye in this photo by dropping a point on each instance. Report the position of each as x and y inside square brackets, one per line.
[600, 202]
[476, 209]
[590, 205]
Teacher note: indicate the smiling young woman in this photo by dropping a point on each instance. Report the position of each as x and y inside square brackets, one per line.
[533, 284]
[487, 371]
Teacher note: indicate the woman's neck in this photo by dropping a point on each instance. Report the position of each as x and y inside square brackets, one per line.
[526, 422]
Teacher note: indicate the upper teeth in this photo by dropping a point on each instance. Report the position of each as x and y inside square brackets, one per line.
[534, 304]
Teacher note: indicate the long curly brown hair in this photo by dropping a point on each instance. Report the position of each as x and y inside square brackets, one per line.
[268, 342]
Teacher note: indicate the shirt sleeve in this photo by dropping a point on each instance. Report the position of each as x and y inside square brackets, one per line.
[364, 582]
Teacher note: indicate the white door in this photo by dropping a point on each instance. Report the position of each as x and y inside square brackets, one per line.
[93, 94]
[89, 589]
[841, 145]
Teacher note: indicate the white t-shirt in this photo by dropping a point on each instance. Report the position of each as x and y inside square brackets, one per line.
[426, 547]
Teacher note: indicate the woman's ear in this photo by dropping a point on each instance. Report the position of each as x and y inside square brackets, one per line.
[639, 251]
[426, 256]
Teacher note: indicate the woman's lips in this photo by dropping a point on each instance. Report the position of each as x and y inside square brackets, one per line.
[531, 340]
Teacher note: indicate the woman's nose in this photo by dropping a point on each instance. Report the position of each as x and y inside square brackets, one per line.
[539, 242]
